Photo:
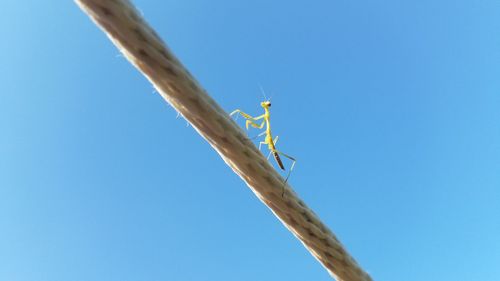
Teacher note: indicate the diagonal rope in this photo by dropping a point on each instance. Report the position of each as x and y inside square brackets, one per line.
[143, 47]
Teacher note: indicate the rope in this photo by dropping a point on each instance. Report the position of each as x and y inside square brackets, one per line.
[143, 47]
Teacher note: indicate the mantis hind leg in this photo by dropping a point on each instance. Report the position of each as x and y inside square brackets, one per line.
[289, 157]
[289, 171]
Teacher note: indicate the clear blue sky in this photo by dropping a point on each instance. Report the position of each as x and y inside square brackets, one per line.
[391, 108]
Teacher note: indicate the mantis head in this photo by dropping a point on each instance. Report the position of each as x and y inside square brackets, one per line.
[265, 104]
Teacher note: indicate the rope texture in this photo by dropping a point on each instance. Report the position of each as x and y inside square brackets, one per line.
[143, 47]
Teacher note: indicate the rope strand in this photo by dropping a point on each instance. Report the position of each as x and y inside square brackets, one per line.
[143, 48]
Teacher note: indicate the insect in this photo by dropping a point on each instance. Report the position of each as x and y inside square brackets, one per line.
[269, 141]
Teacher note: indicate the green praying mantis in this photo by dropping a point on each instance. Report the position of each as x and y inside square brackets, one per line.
[268, 140]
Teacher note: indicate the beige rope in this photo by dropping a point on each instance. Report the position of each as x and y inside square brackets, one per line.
[143, 47]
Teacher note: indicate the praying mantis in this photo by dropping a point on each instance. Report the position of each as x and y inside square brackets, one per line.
[269, 141]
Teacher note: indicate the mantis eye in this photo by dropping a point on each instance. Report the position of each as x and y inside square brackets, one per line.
[269, 104]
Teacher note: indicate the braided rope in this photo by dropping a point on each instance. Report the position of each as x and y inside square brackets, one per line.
[143, 47]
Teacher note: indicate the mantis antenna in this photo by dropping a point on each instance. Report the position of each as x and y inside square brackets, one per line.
[143, 48]
[264, 93]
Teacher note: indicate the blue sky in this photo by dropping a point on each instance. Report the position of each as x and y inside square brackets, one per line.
[391, 108]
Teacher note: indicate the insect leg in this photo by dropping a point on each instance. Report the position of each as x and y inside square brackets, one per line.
[250, 119]
[241, 113]
[261, 143]
[255, 125]
[289, 171]
[289, 157]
